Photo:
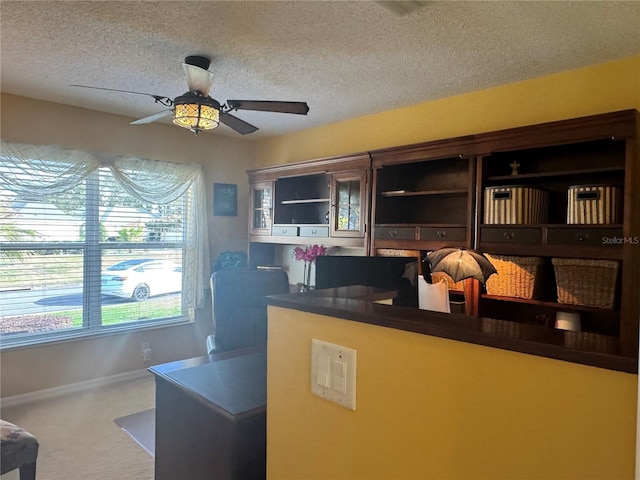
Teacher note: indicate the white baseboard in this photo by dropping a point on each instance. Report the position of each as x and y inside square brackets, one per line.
[54, 392]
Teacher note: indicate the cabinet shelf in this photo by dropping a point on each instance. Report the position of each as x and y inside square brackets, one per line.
[554, 240]
[407, 193]
[434, 225]
[546, 303]
[306, 200]
[559, 173]
[276, 225]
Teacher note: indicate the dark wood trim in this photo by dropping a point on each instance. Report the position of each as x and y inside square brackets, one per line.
[540, 250]
[618, 125]
[356, 161]
[631, 252]
[607, 125]
[331, 241]
[574, 347]
[418, 152]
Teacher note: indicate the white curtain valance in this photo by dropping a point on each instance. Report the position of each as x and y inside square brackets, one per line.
[43, 170]
[153, 181]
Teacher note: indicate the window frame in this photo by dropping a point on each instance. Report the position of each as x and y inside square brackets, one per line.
[194, 245]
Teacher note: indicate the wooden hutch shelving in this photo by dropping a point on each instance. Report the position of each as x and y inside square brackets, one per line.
[430, 195]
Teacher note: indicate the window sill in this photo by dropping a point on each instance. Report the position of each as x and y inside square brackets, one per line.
[84, 334]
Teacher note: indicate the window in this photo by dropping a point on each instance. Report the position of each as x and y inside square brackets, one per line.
[87, 248]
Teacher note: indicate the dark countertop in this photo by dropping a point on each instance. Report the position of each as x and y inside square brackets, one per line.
[233, 383]
[356, 304]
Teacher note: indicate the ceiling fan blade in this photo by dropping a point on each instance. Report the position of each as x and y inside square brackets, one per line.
[299, 108]
[158, 98]
[154, 117]
[198, 79]
[238, 125]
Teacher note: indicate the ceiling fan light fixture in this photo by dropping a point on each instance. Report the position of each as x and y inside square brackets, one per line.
[196, 113]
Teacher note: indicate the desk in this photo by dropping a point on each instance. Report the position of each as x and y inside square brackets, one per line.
[211, 418]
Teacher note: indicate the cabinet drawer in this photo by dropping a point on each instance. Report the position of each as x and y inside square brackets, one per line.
[453, 234]
[284, 231]
[314, 231]
[401, 233]
[593, 237]
[510, 235]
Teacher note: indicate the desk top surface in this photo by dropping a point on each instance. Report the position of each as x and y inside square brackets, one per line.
[235, 385]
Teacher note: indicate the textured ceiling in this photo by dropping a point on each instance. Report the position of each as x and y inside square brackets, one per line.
[345, 59]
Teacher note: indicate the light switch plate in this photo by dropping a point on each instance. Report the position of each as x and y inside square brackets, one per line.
[333, 373]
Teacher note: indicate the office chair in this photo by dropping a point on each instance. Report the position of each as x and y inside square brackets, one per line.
[240, 308]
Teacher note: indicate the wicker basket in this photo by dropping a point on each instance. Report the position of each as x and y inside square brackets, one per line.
[590, 283]
[516, 276]
[439, 276]
[397, 252]
[515, 205]
[593, 204]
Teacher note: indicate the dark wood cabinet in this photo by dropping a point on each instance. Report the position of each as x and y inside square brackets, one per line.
[321, 201]
[302, 200]
[431, 195]
[425, 189]
[211, 418]
[592, 152]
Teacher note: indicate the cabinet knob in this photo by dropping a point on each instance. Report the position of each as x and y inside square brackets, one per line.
[509, 235]
[393, 233]
[314, 232]
[581, 237]
[441, 233]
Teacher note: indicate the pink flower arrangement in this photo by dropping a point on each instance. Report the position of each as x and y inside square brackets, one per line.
[310, 253]
[308, 256]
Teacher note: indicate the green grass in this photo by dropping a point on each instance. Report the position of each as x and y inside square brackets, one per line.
[126, 313]
[130, 312]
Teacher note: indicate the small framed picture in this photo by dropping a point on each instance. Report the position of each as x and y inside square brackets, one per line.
[225, 199]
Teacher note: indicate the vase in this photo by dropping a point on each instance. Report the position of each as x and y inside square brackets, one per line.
[306, 284]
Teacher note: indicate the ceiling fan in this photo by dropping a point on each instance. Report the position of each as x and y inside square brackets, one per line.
[197, 111]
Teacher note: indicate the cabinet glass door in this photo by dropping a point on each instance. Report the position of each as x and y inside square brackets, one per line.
[261, 204]
[349, 208]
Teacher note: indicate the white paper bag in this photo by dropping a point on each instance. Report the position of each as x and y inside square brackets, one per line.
[434, 297]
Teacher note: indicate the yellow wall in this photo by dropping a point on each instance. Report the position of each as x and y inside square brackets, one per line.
[225, 160]
[431, 408]
[586, 91]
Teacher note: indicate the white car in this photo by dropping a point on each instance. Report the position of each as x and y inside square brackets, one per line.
[140, 279]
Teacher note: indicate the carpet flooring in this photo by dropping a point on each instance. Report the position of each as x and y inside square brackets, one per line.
[141, 427]
[78, 437]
